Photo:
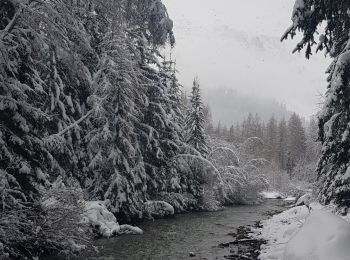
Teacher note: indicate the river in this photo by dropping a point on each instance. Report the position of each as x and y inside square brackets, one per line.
[175, 238]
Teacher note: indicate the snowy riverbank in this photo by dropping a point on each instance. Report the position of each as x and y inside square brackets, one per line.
[300, 234]
[103, 223]
[203, 233]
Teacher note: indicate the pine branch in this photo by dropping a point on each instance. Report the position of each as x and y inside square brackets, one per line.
[76, 123]
[11, 24]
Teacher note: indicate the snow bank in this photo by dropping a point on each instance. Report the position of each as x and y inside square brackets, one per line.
[279, 229]
[290, 199]
[97, 216]
[271, 195]
[103, 222]
[131, 230]
[296, 234]
[324, 236]
[158, 209]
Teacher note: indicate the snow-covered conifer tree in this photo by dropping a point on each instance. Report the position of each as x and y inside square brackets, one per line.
[83, 95]
[271, 139]
[134, 132]
[195, 122]
[282, 144]
[334, 124]
[296, 140]
[160, 133]
[37, 41]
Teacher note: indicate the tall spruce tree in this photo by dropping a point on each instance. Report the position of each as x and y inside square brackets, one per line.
[313, 148]
[218, 129]
[195, 121]
[209, 128]
[271, 139]
[231, 135]
[161, 139]
[282, 144]
[258, 129]
[296, 140]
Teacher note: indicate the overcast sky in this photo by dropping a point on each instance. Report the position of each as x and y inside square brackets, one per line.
[236, 44]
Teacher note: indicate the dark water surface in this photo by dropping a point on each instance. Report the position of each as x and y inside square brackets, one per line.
[174, 238]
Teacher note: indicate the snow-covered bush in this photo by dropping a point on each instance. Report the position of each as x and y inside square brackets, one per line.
[63, 206]
[229, 175]
[21, 232]
[101, 221]
[201, 173]
[209, 200]
[241, 177]
[49, 227]
[305, 171]
[158, 209]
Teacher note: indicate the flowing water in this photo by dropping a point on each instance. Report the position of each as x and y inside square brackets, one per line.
[175, 238]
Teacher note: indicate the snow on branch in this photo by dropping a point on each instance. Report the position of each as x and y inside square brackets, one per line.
[11, 24]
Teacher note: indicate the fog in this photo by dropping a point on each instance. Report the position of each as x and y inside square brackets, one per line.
[236, 44]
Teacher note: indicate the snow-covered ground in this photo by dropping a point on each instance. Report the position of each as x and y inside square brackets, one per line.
[300, 234]
[277, 195]
[97, 216]
[103, 222]
[290, 198]
[272, 195]
[324, 236]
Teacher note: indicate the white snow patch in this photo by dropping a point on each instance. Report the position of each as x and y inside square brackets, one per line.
[324, 236]
[50, 202]
[328, 126]
[271, 195]
[25, 169]
[346, 176]
[127, 229]
[304, 200]
[40, 175]
[98, 216]
[299, 4]
[290, 199]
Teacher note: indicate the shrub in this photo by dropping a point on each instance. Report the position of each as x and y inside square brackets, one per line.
[50, 227]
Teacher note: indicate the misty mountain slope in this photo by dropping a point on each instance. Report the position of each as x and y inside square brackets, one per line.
[230, 106]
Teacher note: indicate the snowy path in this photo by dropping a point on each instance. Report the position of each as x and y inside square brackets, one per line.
[298, 234]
